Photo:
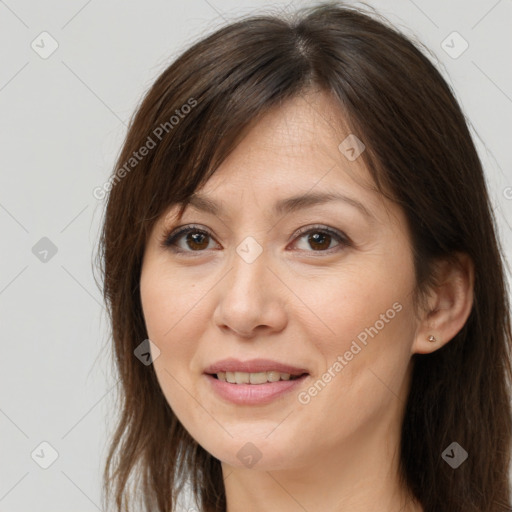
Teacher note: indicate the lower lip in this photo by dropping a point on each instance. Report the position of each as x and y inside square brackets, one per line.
[253, 394]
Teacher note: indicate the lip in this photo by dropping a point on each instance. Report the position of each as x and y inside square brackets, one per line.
[253, 366]
[253, 394]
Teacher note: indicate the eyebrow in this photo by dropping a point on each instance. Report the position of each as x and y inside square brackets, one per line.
[283, 206]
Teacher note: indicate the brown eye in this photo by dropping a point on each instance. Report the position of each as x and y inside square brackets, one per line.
[195, 240]
[192, 239]
[320, 239]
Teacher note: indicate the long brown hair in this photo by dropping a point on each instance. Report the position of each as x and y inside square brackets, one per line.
[419, 151]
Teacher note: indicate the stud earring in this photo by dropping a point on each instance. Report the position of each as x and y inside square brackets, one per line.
[431, 338]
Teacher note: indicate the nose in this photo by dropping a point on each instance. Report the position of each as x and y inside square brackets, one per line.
[250, 299]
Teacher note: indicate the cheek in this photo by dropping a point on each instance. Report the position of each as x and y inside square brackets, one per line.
[364, 374]
[169, 304]
[365, 299]
[172, 327]
[363, 330]
[173, 323]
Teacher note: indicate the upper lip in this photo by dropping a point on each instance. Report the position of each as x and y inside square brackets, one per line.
[253, 366]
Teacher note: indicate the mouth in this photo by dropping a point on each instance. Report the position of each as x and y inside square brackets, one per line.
[254, 382]
[256, 378]
[254, 371]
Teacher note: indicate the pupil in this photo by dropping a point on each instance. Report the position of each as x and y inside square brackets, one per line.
[193, 239]
[314, 239]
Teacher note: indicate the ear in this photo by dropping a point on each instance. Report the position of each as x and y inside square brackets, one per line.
[449, 305]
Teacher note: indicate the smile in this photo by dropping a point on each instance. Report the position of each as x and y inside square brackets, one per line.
[259, 393]
[254, 378]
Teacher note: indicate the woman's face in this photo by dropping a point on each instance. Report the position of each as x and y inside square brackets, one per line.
[321, 288]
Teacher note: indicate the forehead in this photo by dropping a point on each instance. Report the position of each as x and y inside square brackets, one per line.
[291, 157]
[312, 121]
[298, 146]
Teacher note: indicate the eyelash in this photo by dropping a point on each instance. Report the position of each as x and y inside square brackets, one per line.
[169, 240]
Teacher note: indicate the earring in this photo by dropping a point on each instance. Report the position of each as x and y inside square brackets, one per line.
[432, 338]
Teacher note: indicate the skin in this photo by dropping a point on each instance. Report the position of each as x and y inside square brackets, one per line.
[301, 306]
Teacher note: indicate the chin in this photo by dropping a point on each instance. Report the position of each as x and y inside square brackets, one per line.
[257, 453]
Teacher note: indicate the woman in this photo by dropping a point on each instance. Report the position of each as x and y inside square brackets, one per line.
[306, 292]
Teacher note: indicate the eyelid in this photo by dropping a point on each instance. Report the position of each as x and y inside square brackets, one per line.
[169, 238]
[320, 227]
[343, 240]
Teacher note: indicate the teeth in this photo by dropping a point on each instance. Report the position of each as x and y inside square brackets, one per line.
[253, 378]
[242, 378]
[274, 376]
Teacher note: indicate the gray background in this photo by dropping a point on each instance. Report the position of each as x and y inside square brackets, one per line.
[63, 119]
